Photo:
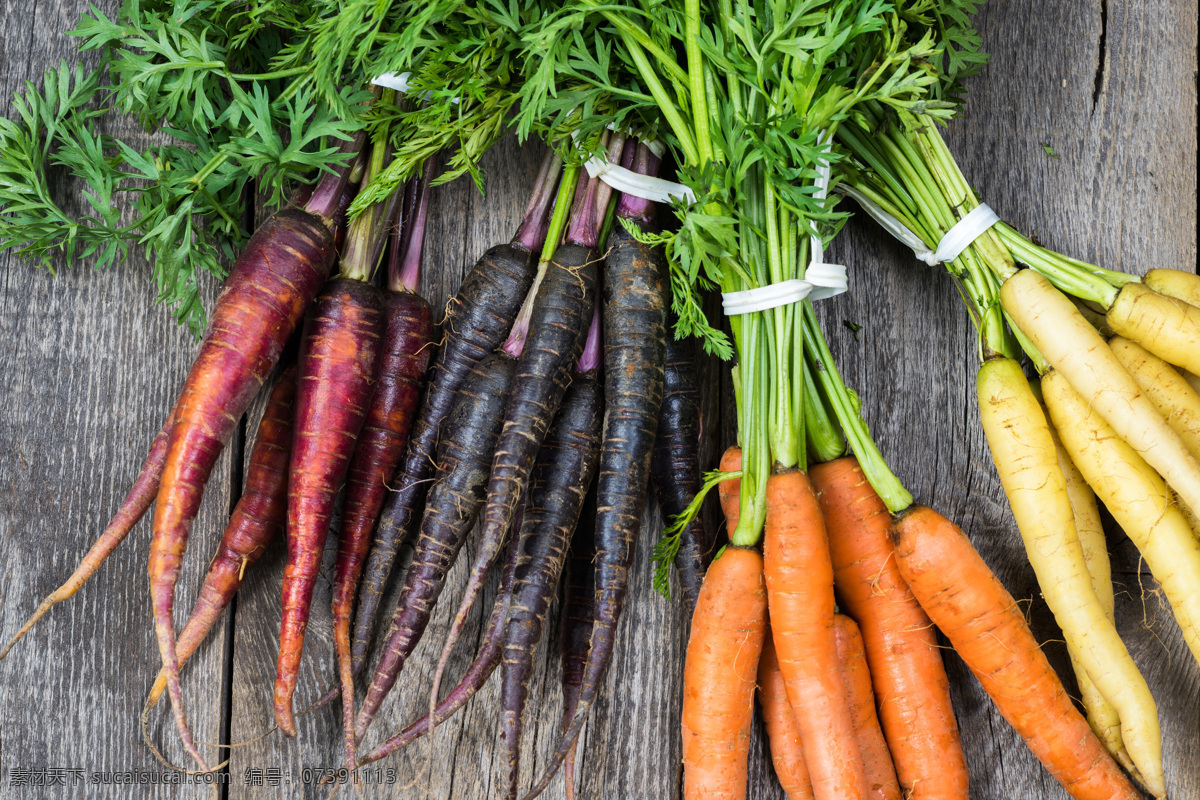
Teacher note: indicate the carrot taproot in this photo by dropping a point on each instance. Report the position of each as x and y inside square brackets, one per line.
[907, 673]
[729, 626]
[476, 675]
[675, 465]
[557, 488]
[1076, 351]
[799, 577]
[1164, 325]
[1175, 283]
[729, 491]
[1167, 390]
[634, 304]
[1018, 436]
[339, 358]
[257, 520]
[276, 277]
[133, 507]
[787, 753]
[478, 319]
[1137, 498]
[463, 457]
[877, 761]
[546, 352]
[1089, 529]
[987, 629]
[575, 627]
[404, 358]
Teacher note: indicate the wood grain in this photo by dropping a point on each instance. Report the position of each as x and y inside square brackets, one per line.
[90, 365]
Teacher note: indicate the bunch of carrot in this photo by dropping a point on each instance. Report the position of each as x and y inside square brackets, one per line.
[513, 418]
[1112, 416]
[826, 595]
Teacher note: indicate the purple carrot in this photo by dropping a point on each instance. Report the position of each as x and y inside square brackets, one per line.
[272, 284]
[345, 338]
[633, 296]
[558, 326]
[558, 485]
[257, 520]
[140, 498]
[462, 458]
[339, 358]
[675, 466]
[478, 319]
[578, 614]
[476, 675]
[406, 349]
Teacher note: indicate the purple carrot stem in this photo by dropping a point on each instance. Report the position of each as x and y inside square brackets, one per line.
[639, 209]
[404, 274]
[532, 232]
[593, 347]
[327, 194]
[588, 215]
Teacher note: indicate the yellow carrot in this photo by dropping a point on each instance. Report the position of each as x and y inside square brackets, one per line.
[1136, 497]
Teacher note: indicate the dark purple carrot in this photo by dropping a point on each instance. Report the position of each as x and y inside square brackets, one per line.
[477, 321]
[578, 614]
[381, 442]
[633, 298]
[345, 338]
[557, 330]
[463, 457]
[477, 673]
[140, 498]
[257, 520]
[558, 485]
[675, 465]
[272, 284]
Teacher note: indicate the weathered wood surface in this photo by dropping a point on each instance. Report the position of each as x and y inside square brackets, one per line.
[90, 365]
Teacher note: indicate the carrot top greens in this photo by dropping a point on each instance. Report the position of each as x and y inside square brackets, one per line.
[241, 98]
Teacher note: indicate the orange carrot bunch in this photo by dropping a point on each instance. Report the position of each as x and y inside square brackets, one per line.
[857, 703]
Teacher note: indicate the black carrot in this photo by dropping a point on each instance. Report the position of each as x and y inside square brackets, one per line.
[633, 298]
[562, 474]
[558, 325]
[675, 465]
[477, 321]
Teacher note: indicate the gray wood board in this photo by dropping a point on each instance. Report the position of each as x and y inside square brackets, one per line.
[1109, 86]
[91, 366]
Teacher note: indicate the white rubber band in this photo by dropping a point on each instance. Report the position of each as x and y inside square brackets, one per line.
[398, 81]
[955, 240]
[965, 231]
[890, 224]
[629, 182]
[820, 280]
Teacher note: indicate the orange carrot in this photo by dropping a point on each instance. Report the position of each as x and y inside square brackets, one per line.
[877, 762]
[906, 667]
[787, 753]
[986, 627]
[728, 627]
[730, 491]
[799, 577]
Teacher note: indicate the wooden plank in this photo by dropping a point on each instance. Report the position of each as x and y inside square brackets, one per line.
[91, 367]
